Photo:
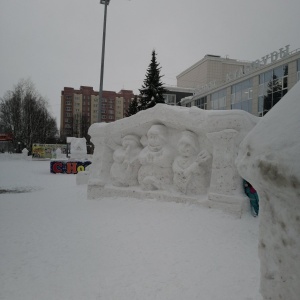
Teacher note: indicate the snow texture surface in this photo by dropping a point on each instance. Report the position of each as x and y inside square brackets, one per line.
[56, 244]
[269, 159]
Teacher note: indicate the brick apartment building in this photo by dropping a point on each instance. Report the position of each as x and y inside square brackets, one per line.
[79, 108]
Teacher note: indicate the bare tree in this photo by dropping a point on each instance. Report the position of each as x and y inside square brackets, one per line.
[24, 113]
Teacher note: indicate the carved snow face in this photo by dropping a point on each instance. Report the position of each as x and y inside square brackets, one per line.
[129, 143]
[186, 147]
[155, 138]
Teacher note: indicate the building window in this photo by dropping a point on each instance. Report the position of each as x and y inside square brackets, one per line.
[103, 116]
[201, 103]
[68, 114]
[110, 117]
[68, 102]
[68, 108]
[218, 99]
[273, 85]
[241, 95]
[170, 99]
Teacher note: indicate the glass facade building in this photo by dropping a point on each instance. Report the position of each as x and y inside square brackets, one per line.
[255, 88]
[241, 95]
[218, 100]
[273, 85]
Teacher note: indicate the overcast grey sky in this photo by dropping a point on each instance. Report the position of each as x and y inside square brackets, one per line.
[57, 43]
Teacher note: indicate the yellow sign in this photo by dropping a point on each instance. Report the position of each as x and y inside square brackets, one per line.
[47, 151]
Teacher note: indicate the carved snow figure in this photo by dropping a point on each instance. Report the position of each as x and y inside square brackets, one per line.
[78, 148]
[191, 172]
[124, 170]
[156, 160]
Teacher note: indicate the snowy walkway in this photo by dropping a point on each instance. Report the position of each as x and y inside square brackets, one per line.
[56, 244]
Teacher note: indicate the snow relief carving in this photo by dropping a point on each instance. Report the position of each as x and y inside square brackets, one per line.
[124, 170]
[156, 160]
[191, 168]
[170, 153]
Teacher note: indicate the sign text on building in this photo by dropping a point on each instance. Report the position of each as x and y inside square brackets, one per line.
[259, 63]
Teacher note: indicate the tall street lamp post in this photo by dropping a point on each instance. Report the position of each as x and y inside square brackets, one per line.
[105, 2]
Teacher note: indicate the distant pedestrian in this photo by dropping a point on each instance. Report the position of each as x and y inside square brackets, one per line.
[253, 196]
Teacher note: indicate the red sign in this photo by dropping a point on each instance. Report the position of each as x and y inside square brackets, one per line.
[6, 137]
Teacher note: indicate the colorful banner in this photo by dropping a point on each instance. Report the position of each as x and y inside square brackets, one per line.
[47, 151]
[68, 167]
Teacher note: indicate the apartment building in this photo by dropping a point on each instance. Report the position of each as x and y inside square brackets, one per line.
[80, 108]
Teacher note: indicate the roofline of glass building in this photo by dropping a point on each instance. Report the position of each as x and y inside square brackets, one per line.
[254, 87]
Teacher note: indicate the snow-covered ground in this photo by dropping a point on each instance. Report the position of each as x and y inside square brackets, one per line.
[56, 244]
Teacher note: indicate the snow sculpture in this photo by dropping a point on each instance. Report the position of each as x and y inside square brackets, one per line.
[58, 153]
[191, 168]
[124, 170]
[78, 148]
[186, 155]
[269, 159]
[156, 160]
[83, 176]
[25, 152]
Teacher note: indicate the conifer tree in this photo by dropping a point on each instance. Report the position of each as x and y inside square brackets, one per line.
[152, 90]
[133, 107]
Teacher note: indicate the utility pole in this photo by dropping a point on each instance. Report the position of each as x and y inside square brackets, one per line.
[105, 2]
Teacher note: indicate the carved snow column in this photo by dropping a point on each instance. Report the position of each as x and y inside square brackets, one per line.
[225, 184]
[102, 160]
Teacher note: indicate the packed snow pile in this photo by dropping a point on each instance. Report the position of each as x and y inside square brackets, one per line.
[269, 159]
[171, 153]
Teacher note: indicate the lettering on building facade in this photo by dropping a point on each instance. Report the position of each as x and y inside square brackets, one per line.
[245, 70]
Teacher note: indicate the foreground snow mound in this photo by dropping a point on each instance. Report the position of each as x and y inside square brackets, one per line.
[269, 159]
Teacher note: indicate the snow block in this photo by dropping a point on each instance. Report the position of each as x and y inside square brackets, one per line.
[171, 153]
[269, 159]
